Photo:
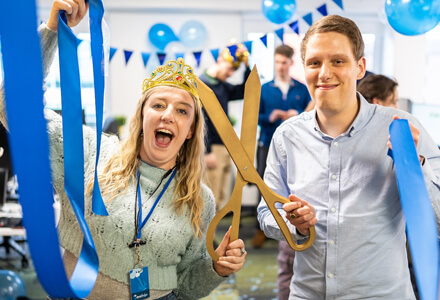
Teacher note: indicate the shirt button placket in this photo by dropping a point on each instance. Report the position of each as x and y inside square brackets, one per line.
[333, 217]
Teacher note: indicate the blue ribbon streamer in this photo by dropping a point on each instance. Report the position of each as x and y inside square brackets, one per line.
[30, 156]
[416, 205]
[96, 13]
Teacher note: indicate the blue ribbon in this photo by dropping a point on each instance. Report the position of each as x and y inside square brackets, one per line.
[30, 156]
[96, 12]
[420, 219]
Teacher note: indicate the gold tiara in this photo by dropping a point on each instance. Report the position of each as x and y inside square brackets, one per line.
[173, 73]
[241, 55]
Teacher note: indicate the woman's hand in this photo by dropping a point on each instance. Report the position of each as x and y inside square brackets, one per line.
[75, 12]
[232, 256]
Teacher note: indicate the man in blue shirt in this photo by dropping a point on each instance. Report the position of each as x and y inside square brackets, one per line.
[333, 165]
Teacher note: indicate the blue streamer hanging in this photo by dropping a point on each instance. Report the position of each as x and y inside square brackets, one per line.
[417, 209]
[30, 156]
[96, 13]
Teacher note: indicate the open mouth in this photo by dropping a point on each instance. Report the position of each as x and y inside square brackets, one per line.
[164, 136]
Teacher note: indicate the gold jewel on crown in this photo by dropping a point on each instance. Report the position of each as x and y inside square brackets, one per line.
[173, 73]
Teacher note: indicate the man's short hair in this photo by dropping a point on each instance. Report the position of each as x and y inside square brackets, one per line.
[376, 86]
[335, 23]
[285, 50]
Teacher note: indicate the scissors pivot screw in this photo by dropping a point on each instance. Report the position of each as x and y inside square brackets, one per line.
[245, 168]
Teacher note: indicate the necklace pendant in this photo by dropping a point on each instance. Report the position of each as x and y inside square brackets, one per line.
[136, 243]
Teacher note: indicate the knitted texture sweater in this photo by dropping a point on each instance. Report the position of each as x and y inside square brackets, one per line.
[176, 258]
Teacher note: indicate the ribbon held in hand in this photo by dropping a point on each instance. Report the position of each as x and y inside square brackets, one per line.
[416, 205]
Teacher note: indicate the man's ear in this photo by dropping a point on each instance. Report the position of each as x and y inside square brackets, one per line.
[362, 67]
[376, 100]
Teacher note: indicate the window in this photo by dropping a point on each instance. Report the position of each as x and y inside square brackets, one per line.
[53, 93]
[430, 93]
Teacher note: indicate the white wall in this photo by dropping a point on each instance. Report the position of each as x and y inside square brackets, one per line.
[130, 20]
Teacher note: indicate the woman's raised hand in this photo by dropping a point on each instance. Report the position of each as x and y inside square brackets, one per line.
[75, 12]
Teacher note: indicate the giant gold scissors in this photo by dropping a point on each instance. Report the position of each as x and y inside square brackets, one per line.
[242, 153]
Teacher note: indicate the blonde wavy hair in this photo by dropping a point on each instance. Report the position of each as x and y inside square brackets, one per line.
[123, 165]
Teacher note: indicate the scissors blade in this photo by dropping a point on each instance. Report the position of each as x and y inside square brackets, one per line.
[225, 130]
[251, 108]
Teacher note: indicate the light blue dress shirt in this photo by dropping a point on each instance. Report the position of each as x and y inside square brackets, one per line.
[360, 250]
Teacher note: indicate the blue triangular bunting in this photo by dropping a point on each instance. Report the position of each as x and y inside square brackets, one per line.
[197, 56]
[308, 18]
[127, 55]
[323, 9]
[264, 40]
[294, 26]
[280, 33]
[145, 57]
[233, 50]
[161, 56]
[339, 3]
[112, 53]
[248, 45]
[179, 54]
[214, 53]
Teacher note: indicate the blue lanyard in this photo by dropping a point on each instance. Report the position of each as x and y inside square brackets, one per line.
[141, 224]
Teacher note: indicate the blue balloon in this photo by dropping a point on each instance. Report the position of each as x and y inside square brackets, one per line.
[11, 285]
[160, 35]
[279, 11]
[412, 17]
[192, 34]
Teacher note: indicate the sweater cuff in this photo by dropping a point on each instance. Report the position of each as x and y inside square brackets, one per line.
[49, 45]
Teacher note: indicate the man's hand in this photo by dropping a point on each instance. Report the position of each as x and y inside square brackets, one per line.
[290, 113]
[277, 114]
[414, 131]
[300, 214]
[75, 12]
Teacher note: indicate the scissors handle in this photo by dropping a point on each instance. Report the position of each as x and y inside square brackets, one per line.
[234, 206]
[271, 198]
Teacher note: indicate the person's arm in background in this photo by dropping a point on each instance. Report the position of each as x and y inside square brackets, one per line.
[236, 92]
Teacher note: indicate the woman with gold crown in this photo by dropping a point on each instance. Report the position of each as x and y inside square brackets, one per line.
[165, 144]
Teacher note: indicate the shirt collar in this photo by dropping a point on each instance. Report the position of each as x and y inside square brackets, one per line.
[364, 115]
[275, 82]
